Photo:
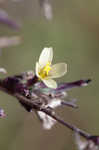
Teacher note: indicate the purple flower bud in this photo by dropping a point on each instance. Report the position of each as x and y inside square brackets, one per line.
[67, 86]
[5, 20]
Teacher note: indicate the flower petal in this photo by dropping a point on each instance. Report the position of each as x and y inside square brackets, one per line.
[50, 83]
[37, 69]
[58, 70]
[54, 103]
[47, 121]
[46, 56]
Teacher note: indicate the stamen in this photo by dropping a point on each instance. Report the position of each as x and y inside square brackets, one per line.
[45, 70]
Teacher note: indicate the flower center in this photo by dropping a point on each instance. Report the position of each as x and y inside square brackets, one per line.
[45, 70]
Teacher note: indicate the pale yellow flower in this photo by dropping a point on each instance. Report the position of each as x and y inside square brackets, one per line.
[45, 71]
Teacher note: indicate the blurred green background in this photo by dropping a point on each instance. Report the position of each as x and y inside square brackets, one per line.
[74, 35]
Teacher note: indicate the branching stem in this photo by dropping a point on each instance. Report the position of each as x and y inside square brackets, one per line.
[52, 114]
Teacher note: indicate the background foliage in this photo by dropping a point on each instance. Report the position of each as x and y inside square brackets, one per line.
[74, 34]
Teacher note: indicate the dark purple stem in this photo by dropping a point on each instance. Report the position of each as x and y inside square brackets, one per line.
[51, 114]
[34, 105]
[67, 86]
[9, 22]
[32, 81]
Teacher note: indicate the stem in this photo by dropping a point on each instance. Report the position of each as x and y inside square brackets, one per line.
[73, 128]
[34, 105]
[70, 104]
[32, 81]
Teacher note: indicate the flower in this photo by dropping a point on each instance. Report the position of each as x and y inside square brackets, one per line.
[89, 143]
[46, 120]
[45, 71]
